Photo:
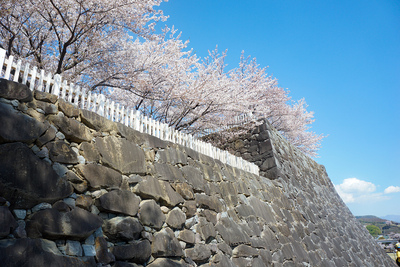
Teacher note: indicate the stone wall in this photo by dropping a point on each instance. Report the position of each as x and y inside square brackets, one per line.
[77, 189]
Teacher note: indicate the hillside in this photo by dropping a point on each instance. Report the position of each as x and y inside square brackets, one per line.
[387, 226]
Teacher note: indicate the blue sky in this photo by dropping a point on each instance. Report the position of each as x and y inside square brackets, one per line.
[343, 57]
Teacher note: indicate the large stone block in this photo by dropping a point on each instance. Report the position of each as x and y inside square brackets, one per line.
[150, 214]
[99, 176]
[231, 232]
[60, 151]
[37, 252]
[165, 244]
[122, 228]
[7, 222]
[120, 201]
[167, 172]
[138, 251]
[200, 253]
[27, 180]
[13, 90]
[18, 127]
[96, 122]
[121, 155]
[77, 224]
[73, 130]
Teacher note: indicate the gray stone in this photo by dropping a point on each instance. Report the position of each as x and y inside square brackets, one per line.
[185, 190]
[99, 176]
[20, 214]
[120, 201]
[48, 136]
[200, 253]
[209, 202]
[205, 229]
[186, 236]
[150, 214]
[89, 250]
[61, 152]
[77, 224]
[165, 262]
[14, 90]
[168, 173]
[231, 232]
[102, 253]
[68, 109]
[7, 222]
[73, 130]
[176, 218]
[96, 122]
[37, 252]
[17, 183]
[84, 202]
[138, 252]
[89, 151]
[165, 244]
[171, 156]
[45, 97]
[41, 206]
[48, 108]
[122, 228]
[73, 248]
[194, 177]
[244, 251]
[18, 127]
[121, 155]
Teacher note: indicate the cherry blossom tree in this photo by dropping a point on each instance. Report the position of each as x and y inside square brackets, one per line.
[112, 47]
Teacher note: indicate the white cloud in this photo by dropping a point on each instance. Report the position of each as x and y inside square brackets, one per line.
[392, 189]
[354, 185]
[355, 190]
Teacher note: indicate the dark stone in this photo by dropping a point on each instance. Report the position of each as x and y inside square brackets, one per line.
[84, 202]
[48, 108]
[176, 219]
[48, 136]
[200, 253]
[28, 180]
[165, 244]
[68, 109]
[61, 206]
[102, 253]
[26, 252]
[18, 127]
[99, 176]
[165, 262]
[138, 252]
[205, 229]
[121, 155]
[187, 236]
[168, 173]
[209, 202]
[150, 214]
[77, 224]
[73, 130]
[89, 152]
[122, 228]
[244, 251]
[59, 151]
[13, 90]
[194, 177]
[45, 97]
[7, 222]
[120, 201]
[172, 156]
[96, 122]
[231, 232]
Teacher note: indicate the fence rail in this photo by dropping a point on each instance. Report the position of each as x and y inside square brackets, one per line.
[99, 103]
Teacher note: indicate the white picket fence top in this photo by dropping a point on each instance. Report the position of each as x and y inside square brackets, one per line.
[99, 103]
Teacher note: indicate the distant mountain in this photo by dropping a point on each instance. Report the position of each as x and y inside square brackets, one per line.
[370, 219]
[394, 218]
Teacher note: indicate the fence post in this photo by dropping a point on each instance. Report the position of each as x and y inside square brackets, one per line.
[8, 69]
[57, 84]
[2, 59]
[26, 72]
[33, 78]
[17, 70]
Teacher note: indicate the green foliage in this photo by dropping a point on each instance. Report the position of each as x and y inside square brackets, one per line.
[374, 230]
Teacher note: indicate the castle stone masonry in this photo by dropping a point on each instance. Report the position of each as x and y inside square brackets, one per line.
[79, 190]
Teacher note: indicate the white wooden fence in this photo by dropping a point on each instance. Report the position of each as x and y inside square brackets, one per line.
[39, 80]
